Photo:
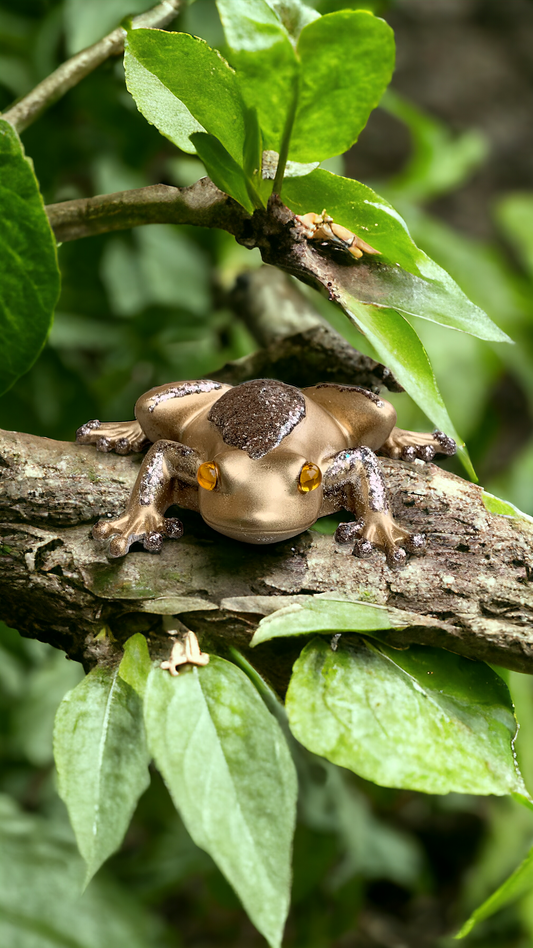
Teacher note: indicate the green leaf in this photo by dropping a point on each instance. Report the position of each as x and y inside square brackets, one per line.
[419, 718]
[229, 771]
[265, 61]
[136, 663]
[403, 277]
[222, 168]
[28, 262]
[197, 76]
[102, 761]
[520, 882]
[397, 345]
[496, 505]
[347, 59]
[159, 105]
[329, 616]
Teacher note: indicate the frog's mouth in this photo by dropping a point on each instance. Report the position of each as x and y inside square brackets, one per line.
[256, 534]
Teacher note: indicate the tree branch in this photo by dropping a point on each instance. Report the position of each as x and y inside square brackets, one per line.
[299, 346]
[472, 590]
[67, 75]
[202, 205]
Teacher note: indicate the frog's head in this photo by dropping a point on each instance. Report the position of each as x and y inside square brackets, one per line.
[259, 500]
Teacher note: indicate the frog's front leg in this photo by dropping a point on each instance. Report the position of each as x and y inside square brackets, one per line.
[167, 474]
[354, 480]
[409, 445]
[124, 437]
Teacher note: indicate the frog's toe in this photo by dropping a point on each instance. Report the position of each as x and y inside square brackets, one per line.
[363, 548]
[85, 434]
[416, 543]
[173, 528]
[446, 444]
[104, 445]
[104, 529]
[119, 545]
[348, 532]
[153, 542]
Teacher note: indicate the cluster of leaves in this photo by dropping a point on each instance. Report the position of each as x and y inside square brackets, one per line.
[302, 88]
[419, 719]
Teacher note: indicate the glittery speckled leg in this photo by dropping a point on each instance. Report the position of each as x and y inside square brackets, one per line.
[355, 481]
[409, 445]
[124, 437]
[167, 473]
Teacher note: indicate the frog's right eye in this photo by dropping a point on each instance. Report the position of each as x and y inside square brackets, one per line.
[207, 475]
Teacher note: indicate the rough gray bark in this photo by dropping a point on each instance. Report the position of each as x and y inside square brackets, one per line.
[472, 589]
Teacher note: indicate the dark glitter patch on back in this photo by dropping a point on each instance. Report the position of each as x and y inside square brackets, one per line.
[180, 389]
[353, 388]
[257, 415]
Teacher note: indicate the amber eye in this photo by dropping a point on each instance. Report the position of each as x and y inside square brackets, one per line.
[207, 475]
[310, 477]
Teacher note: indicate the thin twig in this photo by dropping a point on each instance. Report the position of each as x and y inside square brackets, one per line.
[71, 72]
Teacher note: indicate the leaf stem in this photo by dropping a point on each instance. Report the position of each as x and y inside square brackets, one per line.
[286, 139]
[72, 71]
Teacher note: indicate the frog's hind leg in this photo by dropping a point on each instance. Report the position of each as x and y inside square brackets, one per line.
[124, 437]
[167, 476]
[354, 480]
[409, 445]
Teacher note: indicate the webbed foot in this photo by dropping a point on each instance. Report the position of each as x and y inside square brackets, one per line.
[378, 531]
[409, 445]
[141, 525]
[124, 437]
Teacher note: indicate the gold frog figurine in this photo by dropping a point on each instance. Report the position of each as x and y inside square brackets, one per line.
[261, 462]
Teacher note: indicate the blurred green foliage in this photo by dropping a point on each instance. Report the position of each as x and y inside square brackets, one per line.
[139, 309]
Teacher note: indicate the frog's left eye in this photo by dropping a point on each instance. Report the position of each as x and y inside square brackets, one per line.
[310, 477]
[207, 475]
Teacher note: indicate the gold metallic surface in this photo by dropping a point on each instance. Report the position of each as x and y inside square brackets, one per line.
[269, 461]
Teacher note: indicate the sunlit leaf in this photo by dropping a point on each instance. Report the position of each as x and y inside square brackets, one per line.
[402, 277]
[229, 771]
[347, 59]
[28, 262]
[159, 105]
[418, 718]
[197, 76]
[102, 761]
[264, 58]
